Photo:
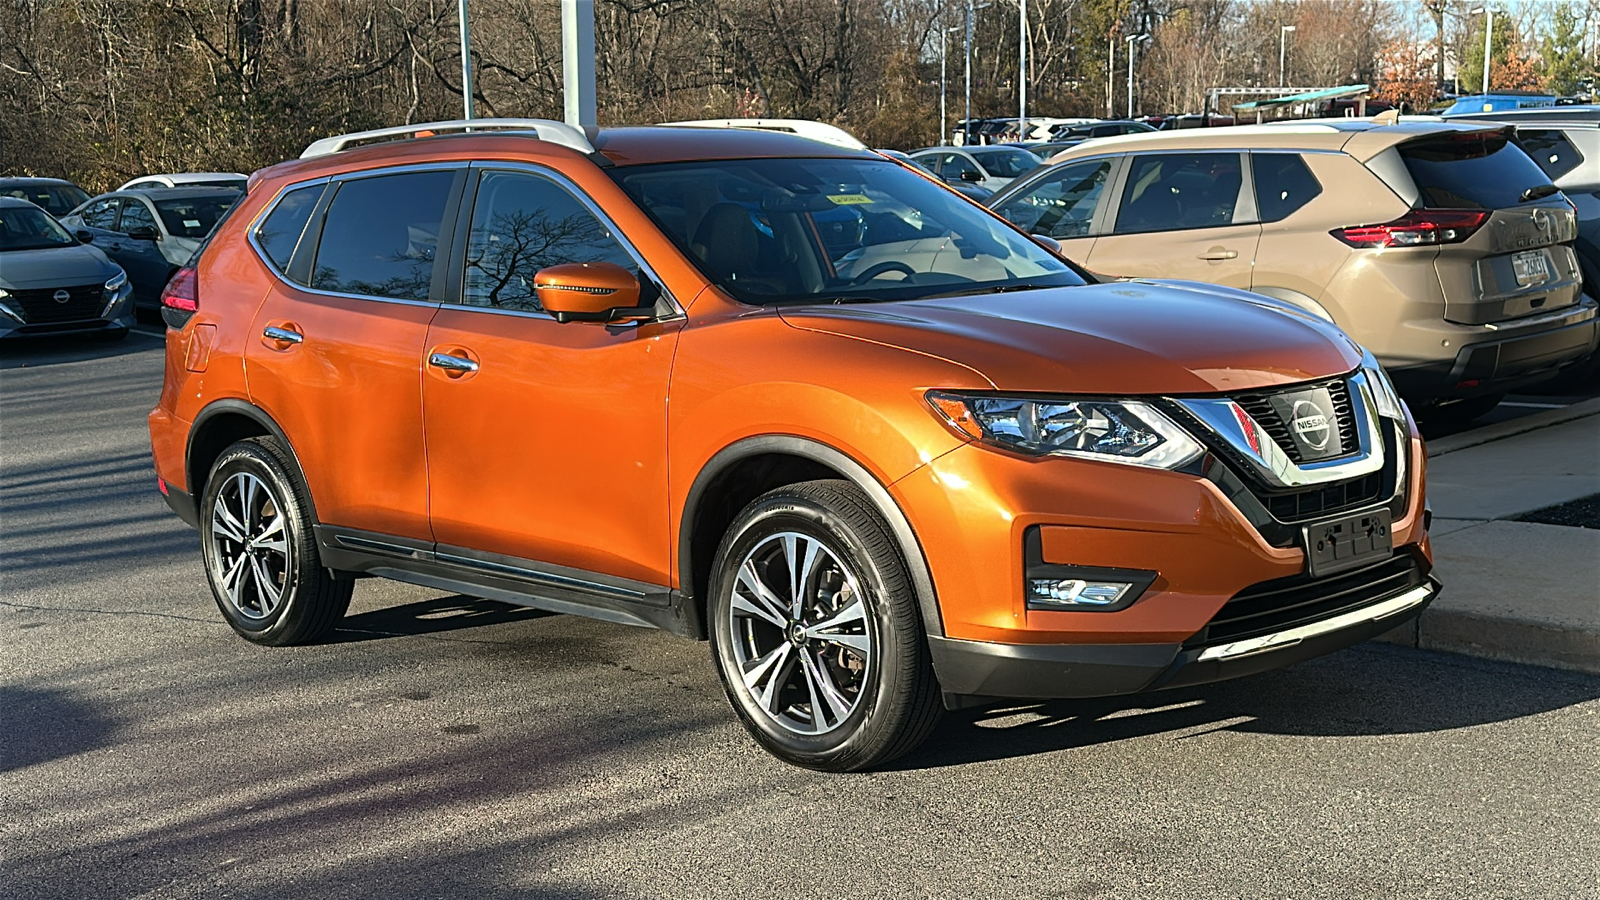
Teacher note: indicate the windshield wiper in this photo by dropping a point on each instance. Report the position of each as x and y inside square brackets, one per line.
[1538, 192]
[1001, 289]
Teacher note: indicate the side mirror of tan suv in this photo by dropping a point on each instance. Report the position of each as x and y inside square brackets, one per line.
[590, 292]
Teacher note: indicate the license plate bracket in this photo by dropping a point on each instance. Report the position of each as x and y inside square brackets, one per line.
[1345, 543]
[1531, 267]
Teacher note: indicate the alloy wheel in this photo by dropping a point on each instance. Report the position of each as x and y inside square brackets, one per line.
[250, 551]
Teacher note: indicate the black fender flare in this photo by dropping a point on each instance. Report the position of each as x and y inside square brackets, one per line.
[818, 452]
[235, 406]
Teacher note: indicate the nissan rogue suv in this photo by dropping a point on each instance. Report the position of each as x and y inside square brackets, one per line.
[621, 374]
[1439, 246]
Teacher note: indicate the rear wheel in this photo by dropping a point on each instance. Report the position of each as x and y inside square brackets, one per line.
[260, 556]
[816, 632]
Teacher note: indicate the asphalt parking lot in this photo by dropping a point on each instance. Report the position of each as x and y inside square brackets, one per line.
[444, 746]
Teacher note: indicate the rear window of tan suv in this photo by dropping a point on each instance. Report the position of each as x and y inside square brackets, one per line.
[1470, 171]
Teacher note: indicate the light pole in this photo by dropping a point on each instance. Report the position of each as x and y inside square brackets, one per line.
[1283, 54]
[1111, 73]
[1022, 70]
[1488, 39]
[966, 130]
[466, 64]
[944, 120]
[1142, 38]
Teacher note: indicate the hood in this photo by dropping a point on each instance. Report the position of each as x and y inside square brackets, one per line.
[52, 267]
[1126, 338]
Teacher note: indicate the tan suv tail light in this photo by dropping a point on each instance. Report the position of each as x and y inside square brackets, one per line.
[1418, 228]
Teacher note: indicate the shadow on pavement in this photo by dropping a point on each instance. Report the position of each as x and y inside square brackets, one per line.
[431, 616]
[40, 724]
[1368, 690]
[18, 353]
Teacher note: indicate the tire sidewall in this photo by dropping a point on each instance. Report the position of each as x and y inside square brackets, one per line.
[856, 735]
[253, 459]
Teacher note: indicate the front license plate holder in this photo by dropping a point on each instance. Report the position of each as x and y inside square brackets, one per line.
[1531, 267]
[1345, 543]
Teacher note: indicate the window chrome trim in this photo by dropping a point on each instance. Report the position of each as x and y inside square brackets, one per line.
[255, 225]
[1224, 418]
[577, 193]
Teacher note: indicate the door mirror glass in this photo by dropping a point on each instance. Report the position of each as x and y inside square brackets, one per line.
[84, 236]
[590, 292]
[971, 175]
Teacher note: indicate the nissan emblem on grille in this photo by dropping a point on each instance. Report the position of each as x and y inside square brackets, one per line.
[1312, 422]
[61, 296]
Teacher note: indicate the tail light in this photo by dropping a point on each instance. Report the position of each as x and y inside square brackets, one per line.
[1418, 228]
[182, 293]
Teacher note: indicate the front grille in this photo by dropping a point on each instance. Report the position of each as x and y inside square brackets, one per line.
[1285, 603]
[1259, 406]
[1325, 499]
[39, 307]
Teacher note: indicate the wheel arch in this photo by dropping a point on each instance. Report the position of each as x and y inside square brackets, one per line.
[742, 471]
[222, 423]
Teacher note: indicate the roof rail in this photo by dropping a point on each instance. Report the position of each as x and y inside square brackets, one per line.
[806, 128]
[544, 129]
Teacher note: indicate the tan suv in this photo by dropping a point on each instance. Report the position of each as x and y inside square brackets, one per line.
[1440, 246]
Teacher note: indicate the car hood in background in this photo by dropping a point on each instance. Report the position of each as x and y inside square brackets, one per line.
[73, 264]
[1124, 338]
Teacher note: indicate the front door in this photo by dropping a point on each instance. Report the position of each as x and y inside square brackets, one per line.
[1062, 204]
[546, 441]
[336, 359]
[147, 268]
[1183, 215]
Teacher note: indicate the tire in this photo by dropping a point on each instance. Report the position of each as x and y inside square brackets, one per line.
[1460, 412]
[848, 684]
[260, 556]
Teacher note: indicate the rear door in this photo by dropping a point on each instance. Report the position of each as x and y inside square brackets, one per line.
[335, 352]
[1063, 204]
[1185, 215]
[1520, 261]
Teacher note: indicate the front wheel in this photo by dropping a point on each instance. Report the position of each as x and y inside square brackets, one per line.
[260, 555]
[816, 632]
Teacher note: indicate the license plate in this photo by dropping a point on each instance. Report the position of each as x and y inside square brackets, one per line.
[1531, 266]
[1342, 544]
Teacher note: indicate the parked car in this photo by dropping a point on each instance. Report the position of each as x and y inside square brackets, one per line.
[55, 196]
[188, 179]
[1501, 101]
[1440, 246]
[151, 232]
[52, 285]
[1108, 128]
[991, 168]
[941, 467]
[970, 191]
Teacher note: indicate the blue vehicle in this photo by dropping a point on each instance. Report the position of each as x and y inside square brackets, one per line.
[1481, 103]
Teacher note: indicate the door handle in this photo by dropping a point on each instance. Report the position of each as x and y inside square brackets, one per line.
[452, 364]
[282, 335]
[1217, 253]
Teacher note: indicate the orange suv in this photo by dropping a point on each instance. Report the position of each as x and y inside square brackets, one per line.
[886, 452]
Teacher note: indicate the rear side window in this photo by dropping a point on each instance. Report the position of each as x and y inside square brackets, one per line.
[1470, 171]
[1178, 191]
[1551, 150]
[522, 223]
[1283, 184]
[1061, 204]
[380, 235]
[280, 231]
[136, 215]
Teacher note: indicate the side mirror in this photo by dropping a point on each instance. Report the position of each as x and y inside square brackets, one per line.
[971, 176]
[144, 233]
[84, 236]
[1048, 242]
[590, 292]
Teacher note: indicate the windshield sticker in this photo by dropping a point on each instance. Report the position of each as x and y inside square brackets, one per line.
[191, 223]
[849, 199]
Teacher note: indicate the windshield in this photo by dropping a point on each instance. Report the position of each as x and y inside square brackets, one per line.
[1007, 163]
[835, 230]
[192, 217]
[31, 228]
[56, 199]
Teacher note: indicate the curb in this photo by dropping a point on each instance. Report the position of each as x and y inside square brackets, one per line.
[1520, 425]
[1502, 639]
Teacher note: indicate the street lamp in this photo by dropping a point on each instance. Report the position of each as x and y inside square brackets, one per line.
[944, 119]
[1488, 38]
[1283, 49]
[1144, 39]
[966, 131]
[1022, 69]
[466, 63]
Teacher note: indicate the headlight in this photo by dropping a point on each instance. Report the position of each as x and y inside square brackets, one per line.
[117, 281]
[1125, 431]
[1389, 403]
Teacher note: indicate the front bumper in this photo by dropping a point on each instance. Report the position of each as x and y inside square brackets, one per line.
[970, 671]
[1506, 357]
[10, 330]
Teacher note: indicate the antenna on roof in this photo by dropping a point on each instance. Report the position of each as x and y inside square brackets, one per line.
[1387, 117]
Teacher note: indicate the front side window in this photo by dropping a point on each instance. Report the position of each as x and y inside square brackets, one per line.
[280, 232]
[1061, 204]
[101, 214]
[522, 223]
[953, 165]
[1283, 184]
[834, 230]
[193, 217]
[136, 215]
[380, 235]
[1177, 191]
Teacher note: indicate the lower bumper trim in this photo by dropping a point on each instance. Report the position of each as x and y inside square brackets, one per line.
[1292, 636]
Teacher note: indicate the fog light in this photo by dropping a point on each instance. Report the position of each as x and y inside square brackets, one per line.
[1065, 593]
